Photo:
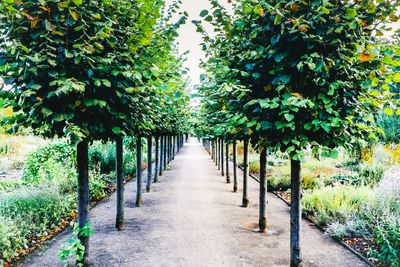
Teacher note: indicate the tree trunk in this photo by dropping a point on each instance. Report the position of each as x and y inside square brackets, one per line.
[222, 157]
[216, 152]
[156, 161]
[228, 178]
[83, 196]
[262, 222]
[139, 171]
[245, 201]
[149, 163]
[295, 214]
[168, 149]
[119, 224]
[173, 146]
[165, 153]
[235, 180]
[219, 153]
[212, 150]
[160, 170]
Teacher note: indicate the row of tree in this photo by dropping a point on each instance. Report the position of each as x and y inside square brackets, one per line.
[95, 70]
[291, 75]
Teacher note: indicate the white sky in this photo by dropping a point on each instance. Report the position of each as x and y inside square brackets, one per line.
[190, 40]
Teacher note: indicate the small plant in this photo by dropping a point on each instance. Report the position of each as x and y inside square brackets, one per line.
[371, 174]
[335, 204]
[74, 249]
[57, 152]
[254, 167]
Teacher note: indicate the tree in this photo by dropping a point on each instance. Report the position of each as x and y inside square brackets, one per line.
[77, 69]
[313, 71]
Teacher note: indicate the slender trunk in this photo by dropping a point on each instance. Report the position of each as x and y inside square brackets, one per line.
[228, 177]
[219, 154]
[165, 153]
[139, 171]
[83, 196]
[222, 157]
[156, 161]
[169, 149]
[245, 201]
[295, 214]
[173, 146]
[262, 222]
[235, 180]
[160, 171]
[149, 163]
[119, 224]
[212, 150]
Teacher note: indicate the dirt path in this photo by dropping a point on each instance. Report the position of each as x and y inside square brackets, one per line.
[192, 218]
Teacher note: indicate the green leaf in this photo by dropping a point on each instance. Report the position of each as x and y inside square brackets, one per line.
[265, 125]
[351, 13]
[203, 13]
[77, 2]
[279, 125]
[388, 111]
[106, 83]
[289, 117]
[116, 130]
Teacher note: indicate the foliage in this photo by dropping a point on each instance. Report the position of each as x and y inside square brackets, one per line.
[7, 185]
[74, 248]
[371, 174]
[335, 204]
[29, 212]
[11, 239]
[383, 217]
[43, 161]
[84, 87]
[299, 78]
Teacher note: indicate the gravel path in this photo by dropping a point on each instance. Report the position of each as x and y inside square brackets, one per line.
[192, 218]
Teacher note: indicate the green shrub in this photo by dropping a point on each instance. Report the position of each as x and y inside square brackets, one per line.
[383, 216]
[11, 239]
[44, 158]
[371, 174]
[346, 179]
[386, 231]
[282, 182]
[278, 183]
[254, 166]
[7, 185]
[29, 212]
[102, 156]
[34, 209]
[334, 204]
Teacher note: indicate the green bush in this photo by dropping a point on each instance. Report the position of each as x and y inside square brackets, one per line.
[383, 216]
[9, 185]
[29, 212]
[254, 166]
[346, 179]
[43, 159]
[10, 239]
[34, 209]
[282, 182]
[278, 183]
[102, 156]
[335, 204]
[371, 174]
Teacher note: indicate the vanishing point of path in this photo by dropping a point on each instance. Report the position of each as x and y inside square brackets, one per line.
[192, 218]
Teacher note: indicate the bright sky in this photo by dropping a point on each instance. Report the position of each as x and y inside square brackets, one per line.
[190, 40]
